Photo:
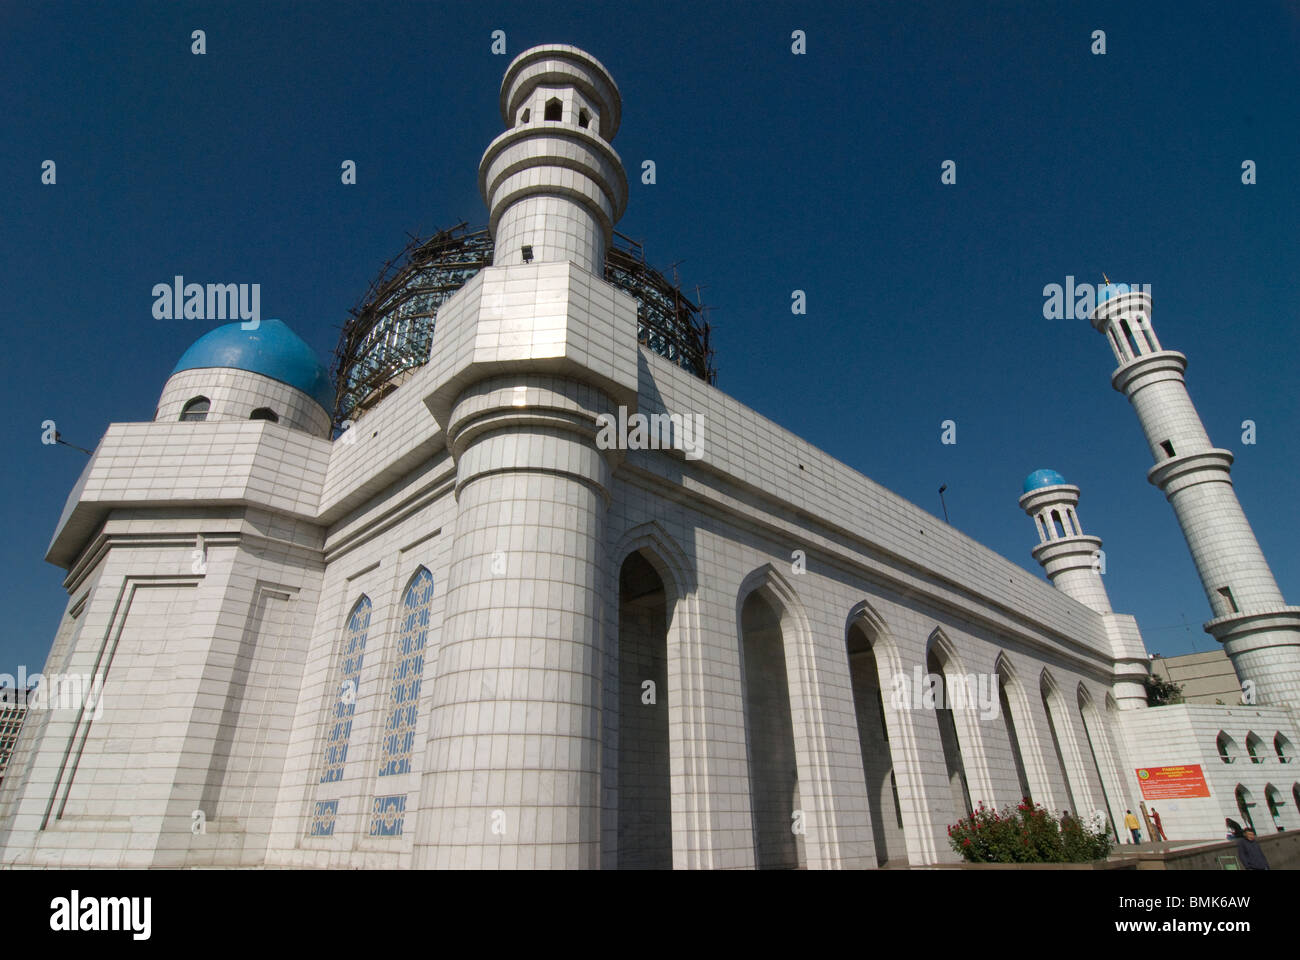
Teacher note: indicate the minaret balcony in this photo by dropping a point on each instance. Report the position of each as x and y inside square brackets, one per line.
[1147, 369]
[1178, 473]
[1068, 553]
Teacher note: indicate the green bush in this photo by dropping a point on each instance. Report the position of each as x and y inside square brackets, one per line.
[1028, 834]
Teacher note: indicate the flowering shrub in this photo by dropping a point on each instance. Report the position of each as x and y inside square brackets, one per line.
[1028, 834]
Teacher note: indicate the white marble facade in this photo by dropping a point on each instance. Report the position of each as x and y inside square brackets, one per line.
[467, 633]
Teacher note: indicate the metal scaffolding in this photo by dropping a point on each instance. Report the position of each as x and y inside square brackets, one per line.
[390, 332]
[666, 322]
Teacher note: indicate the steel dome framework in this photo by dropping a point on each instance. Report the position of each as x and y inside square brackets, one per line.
[389, 334]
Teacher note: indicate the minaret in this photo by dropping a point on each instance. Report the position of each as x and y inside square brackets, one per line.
[525, 358]
[1074, 562]
[1259, 632]
[553, 185]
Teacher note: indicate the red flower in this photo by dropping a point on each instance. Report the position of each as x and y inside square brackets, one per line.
[966, 842]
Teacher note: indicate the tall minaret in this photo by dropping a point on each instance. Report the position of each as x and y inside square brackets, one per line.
[526, 358]
[1259, 632]
[1074, 562]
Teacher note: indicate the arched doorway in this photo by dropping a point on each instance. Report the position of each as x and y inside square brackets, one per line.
[1048, 693]
[873, 741]
[645, 840]
[769, 728]
[954, 763]
[1098, 741]
[1006, 693]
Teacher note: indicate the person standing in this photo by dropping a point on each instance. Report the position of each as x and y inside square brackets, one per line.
[1249, 853]
[1131, 822]
[1159, 827]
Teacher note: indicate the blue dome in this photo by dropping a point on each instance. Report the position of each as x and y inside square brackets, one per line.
[273, 350]
[1043, 478]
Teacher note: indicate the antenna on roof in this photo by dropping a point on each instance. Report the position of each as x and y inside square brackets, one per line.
[58, 438]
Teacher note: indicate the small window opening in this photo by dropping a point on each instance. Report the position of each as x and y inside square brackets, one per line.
[1226, 593]
[196, 409]
[1224, 743]
[1114, 344]
[527, 251]
[264, 413]
[553, 109]
[525, 115]
[1167, 447]
[1253, 743]
[1129, 339]
[1057, 531]
[584, 118]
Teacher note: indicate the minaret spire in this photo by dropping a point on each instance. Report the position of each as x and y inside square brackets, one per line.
[1074, 562]
[553, 185]
[1259, 632]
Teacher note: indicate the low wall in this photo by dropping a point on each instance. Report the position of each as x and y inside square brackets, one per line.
[1282, 850]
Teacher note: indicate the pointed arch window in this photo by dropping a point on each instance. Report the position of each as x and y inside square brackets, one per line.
[1283, 747]
[1227, 747]
[352, 649]
[1254, 745]
[404, 690]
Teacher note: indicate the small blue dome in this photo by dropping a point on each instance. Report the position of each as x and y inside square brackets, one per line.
[1043, 478]
[273, 350]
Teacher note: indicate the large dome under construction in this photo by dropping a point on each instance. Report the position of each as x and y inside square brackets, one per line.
[390, 333]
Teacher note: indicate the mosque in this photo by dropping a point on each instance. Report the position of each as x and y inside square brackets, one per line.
[426, 613]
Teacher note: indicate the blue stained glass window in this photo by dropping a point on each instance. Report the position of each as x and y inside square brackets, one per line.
[387, 816]
[345, 694]
[323, 818]
[404, 692]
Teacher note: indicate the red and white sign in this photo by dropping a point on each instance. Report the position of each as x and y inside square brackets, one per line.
[1164, 783]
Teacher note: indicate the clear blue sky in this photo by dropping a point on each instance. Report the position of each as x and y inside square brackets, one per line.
[775, 172]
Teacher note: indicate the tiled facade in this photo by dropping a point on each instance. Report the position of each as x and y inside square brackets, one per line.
[466, 634]
[1246, 755]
